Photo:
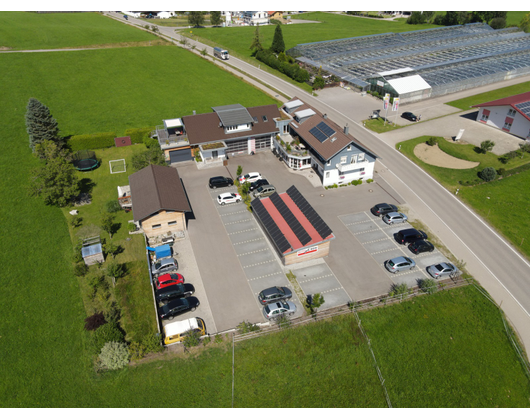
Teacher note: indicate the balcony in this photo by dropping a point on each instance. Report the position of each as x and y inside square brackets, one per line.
[291, 147]
[350, 166]
[170, 141]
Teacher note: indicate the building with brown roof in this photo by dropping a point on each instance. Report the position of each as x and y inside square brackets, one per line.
[159, 202]
[309, 138]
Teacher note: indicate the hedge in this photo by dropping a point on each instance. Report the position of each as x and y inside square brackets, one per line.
[91, 141]
[138, 135]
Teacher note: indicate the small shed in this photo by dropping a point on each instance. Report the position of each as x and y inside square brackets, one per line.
[161, 251]
[92, 253]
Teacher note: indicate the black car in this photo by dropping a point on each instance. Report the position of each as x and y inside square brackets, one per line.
[257, 184]
[220, 181]
[175, 291]
[382, 209]
[177, 306]
[409, 116]
[410, 235]
[421, 246]
[274, 294]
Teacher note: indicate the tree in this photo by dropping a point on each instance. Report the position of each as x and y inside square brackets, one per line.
[525, 23]
[416, 18]
[498, 23]
[152, 156]
[107, 223]
[486, 146]
[488, 174]
[319, 83]
[56, 182]
[215, 18]
[40, 124]
[114, 355]
[256, 41]
[451, 18]
[196, 18]
[114, 270]
[278, 45]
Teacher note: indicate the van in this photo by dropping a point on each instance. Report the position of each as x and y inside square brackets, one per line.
[264, 191]
[220, 181]
[410, 236]
[175, 332]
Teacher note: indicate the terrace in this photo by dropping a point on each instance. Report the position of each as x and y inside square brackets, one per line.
[170, 138]
[292, 151]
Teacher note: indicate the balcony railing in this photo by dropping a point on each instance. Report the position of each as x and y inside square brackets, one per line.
[166, 140]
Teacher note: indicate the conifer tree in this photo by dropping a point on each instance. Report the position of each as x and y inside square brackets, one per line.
[256, 41]
[40, 124]
[278, 45]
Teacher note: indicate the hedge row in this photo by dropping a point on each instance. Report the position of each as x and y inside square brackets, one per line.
[104, 140]
[294, 71]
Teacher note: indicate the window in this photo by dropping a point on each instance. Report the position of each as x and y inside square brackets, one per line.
[349, 148]
[343, 160]
[511, 112]
[328, 162]
[173, 222]
[327, 174]
[507, 126]
[255, 119]
[353, 159]
[156, 226]
[264, 117]
[361, 157]
[485, 116]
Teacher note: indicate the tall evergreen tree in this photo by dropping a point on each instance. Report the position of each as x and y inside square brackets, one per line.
[215, 18]
[196, 18]
[40, 124]
[278, 45]
[256, 41]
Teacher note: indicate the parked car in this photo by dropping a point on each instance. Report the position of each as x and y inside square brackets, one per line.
[264, 191]
[394, 217]
[173, 292]
[274, 294]
[178, 306]
[399, 264]
[257, 184]
[164, 265]
[224, 198]
[220, 181]
[250, 177]
[410, 235]
[279, 308]
[441, 269]
[168, 279]
[409, 116]
[383, 208]
[421, 246]
[178, 330]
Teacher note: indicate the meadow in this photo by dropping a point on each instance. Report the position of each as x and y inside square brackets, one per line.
[45, 359]
[492, 95]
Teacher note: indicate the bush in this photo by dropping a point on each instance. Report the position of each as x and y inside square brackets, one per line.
[319, 83]
[428, 286]
[357, 182]
[91, 141]
[94, 282]
[498, 23]
[239, 170]
[508, 156]
[114, 355]
[153, 156]
[369, 181]
[193, 339]
[140, 135]
[245, 327]
[501, 171]
[486, 146]
[432, 141]
[104, 334]
[80, 269]
[488, 174]
[112, 206]
[149, 344]
[132, 227]
[399, 290]
[95, 321]
[76, 221]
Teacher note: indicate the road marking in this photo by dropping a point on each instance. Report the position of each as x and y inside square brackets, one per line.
[316, 278]
[237, 221]
[260, 263]
[235, 212]
[262, 277]
[242, 231]
[246, 242]
[375, 240]
[253, 252]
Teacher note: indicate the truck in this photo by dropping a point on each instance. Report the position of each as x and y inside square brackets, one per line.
[220, 53]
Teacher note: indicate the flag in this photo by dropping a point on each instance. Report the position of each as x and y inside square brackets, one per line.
[395, 104]
[386, 100]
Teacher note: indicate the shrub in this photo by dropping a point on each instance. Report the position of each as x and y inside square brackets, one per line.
[488, 174]
[150, 143]
[114, 355]
[525, 147]
[369, 181]
[239, 170]
[501, 171]
[282, 321]
[95, 321]
[80, 269]
[498, 23]
[91, 141]
[112, 206]
[319, 83]
[428, 286]
[76, 221]
[152, 156]
[149, 344]
[140, 135]
[357, 182]
[94, 282]
[245, 327]
[104, 334]
[132, 227]
[486, 146]
[432, 141]
[193, 339]
[399, 290]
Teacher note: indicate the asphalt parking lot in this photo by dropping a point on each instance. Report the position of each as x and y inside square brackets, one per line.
[236, 261]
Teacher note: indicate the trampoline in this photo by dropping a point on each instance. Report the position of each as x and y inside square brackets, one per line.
[85, 160]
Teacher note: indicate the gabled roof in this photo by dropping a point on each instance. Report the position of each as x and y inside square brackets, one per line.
[330, 146]
[521, 103]
[157, 188]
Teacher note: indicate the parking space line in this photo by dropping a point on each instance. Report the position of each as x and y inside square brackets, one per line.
[384, 250]
[267, 275]
[260, 263]
[402, 273]
[375, 240]
[253, 252]
[316, 278]
[364, 231]
[241, 231]
[246, 242]
[235, 212]
[237, 221]
[332, 290]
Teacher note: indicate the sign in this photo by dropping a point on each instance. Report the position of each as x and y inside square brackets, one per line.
[459, 135]
[386, 101]
[380, 83]
[395, 104]
[307, 251]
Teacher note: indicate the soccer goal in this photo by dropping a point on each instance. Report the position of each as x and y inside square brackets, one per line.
[117, 166]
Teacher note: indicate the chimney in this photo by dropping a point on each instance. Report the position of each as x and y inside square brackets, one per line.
[346, 129]
[194, 112]
[325, 116]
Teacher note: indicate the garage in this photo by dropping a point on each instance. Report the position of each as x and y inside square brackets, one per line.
[182, 155]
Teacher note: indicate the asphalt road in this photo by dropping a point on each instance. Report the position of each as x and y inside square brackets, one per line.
[489, 258]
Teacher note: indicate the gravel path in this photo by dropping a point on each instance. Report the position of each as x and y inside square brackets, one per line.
[433, 155]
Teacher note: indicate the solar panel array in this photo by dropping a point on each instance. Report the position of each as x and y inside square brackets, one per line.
[291, 219]
[270, 225]
[309, 212]
[524, 107]
[322, 131]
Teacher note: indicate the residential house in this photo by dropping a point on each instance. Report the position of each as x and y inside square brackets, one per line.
[159, 203]
[309, 139]
[255, 18]
[275, 15]
[511, 114]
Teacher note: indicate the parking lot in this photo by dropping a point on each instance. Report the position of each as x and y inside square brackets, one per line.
[236, 261]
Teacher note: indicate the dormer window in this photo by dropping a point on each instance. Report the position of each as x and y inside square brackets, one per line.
[255, 119]
[264, 117]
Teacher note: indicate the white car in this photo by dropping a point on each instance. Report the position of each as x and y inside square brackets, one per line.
[273, 310]
[394, 217]
[250, 177]
[224, 198]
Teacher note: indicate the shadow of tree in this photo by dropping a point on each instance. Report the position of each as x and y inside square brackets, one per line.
[86, 185]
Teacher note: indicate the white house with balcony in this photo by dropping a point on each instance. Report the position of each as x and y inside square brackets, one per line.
[309, 139]
[255, 18]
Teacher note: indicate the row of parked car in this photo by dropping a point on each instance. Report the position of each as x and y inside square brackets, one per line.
[275, 300]
[417, 243]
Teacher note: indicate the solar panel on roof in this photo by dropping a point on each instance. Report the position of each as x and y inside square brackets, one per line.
[319, 135]
[291, 219]
[320, 226]
[282, 244]
[524, 107]
[326, 129]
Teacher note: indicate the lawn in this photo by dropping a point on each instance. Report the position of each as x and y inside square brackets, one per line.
[506, 203]
[29, 30]
[466, 103]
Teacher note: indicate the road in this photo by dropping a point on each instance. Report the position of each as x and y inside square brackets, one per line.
[489, 258]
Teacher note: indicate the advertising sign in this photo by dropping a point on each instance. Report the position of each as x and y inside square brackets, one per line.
[306, 251]
[395, 104]
[386, 101]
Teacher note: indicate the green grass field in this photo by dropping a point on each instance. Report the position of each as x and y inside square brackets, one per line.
[45, 358]
[468, 102]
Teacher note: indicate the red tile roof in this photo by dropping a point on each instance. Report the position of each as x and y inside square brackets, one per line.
[512, 101]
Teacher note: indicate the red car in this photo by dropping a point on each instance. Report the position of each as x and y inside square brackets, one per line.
[168, 280]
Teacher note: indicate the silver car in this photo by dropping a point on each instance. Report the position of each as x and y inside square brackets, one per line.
[273, 310]
[164, 265]
[399, 264]
[394, 217]
[442, 269]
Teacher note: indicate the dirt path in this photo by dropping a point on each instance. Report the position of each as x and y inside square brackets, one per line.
[436, 157]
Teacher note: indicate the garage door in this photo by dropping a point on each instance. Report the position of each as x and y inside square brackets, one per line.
[183, 155]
